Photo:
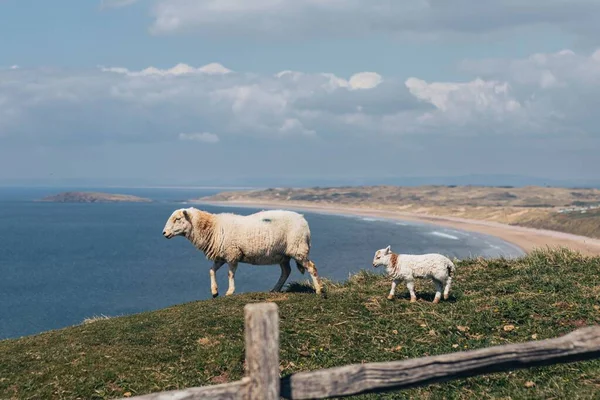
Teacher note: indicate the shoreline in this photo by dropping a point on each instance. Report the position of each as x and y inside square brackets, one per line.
[527, 239]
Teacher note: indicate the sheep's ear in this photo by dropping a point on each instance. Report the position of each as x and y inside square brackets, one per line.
[388, 250]
[186, 214]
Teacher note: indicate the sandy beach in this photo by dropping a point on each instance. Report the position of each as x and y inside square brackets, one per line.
[527, 239]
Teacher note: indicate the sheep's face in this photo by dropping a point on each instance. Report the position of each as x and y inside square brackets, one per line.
[178, 224]
[382, 257]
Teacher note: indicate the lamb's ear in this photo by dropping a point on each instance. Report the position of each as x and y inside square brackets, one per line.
[186, 215]
[388, 250]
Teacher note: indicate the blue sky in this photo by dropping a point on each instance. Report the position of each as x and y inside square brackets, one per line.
[84, 34]
[184, 91]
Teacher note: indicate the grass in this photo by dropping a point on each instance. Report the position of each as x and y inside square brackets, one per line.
[95, 318]
[543, 295]
[587, 224]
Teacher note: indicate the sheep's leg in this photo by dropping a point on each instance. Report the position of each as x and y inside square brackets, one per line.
[231, 289]
[285, 273]
[393, 291]
[213, 277]
[438, 291]
[411, 288]
[447, 287]
[312, 269]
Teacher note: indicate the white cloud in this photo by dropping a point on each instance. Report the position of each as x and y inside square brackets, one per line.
[361, 80]
[471, 108]
[14, 67]
[214, 68]
[179, 69]
[334, 82]
[359, 17]
[294, 126]
[544, 94]
[560, 69]
[205, 137]
[542, 107]
[477, 95]
[156, 104]
[365, 80]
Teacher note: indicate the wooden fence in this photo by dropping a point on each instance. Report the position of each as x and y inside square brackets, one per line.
[262, 381]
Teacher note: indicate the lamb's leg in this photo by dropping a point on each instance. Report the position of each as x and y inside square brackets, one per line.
[285, 273]
[213, 278]
[231, 289]
[393, 291]
[447, 287]
[410, 284]
[438, 291]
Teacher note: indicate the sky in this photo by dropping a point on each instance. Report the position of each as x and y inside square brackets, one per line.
[220, 92]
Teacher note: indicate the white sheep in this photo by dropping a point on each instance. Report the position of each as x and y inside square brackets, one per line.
[408, 267]
[263, 238]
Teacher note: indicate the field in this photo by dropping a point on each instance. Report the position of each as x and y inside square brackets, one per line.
[532, 206]
[543, 295]
[587, 224]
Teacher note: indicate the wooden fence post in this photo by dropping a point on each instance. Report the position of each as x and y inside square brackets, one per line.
[262, 350]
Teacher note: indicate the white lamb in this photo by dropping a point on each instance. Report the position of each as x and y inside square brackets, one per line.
[408, 267]
[263, 238]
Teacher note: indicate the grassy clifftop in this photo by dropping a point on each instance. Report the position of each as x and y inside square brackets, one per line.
[543, 295]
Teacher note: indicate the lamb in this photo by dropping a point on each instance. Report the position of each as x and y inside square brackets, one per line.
[408, 267]
[262, 238]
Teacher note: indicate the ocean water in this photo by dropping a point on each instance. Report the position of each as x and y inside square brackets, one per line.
[62, 263]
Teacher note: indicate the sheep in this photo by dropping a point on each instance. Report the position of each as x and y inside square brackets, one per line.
[262, 238]
[408, 267]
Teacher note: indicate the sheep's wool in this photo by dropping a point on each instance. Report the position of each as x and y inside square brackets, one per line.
[410, 266]
[406, 266]
[263, 238]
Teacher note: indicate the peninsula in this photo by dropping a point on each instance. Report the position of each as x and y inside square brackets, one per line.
[93, 197]
[530, 217]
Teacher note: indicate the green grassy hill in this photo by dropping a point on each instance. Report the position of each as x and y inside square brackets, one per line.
[587, 224]
[543, 295]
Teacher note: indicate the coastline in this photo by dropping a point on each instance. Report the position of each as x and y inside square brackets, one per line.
[527, 239]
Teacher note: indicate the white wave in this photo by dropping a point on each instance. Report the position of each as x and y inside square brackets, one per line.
[444, 235]
[459, 233]
[369, 219]
[493, 246]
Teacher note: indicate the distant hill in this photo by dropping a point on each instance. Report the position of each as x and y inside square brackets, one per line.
[93, 197]
[423, 196]
[572, 210]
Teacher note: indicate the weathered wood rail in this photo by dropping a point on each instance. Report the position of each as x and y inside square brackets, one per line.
[262, 381]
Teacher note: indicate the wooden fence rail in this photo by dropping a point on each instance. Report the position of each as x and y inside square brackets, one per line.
[262, 379]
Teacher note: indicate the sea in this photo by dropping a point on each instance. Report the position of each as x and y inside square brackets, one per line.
[62, 263]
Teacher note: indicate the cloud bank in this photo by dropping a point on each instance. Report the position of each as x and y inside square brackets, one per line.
[535, 114]
[544, 94]
[430, 18]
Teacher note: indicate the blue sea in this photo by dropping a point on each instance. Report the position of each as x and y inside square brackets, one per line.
[61, 263]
